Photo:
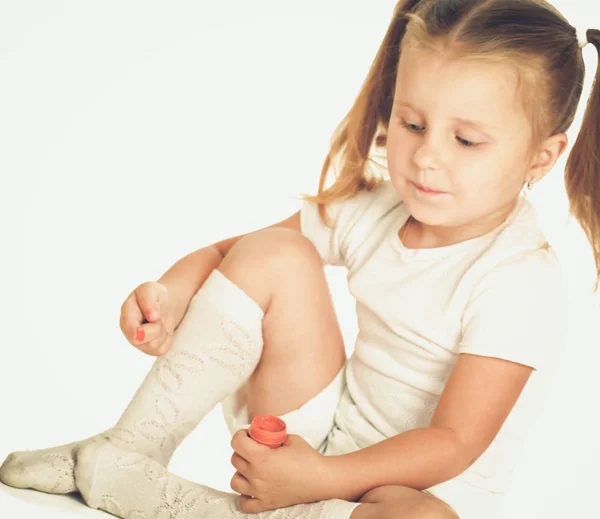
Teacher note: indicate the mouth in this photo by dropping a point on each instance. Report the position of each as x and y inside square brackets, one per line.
[427, 190]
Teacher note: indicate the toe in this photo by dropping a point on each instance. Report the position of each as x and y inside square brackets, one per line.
[12, 470]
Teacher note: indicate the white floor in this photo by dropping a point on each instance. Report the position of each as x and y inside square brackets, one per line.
[29, 504]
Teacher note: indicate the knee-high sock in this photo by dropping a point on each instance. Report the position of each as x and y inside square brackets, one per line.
[133, 486]
[215, 349]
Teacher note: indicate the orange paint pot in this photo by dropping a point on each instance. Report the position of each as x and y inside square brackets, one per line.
[268, 430]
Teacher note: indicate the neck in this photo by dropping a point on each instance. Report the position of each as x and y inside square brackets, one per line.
[423, 236]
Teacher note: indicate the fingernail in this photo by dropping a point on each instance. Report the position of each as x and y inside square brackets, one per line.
[140, 334]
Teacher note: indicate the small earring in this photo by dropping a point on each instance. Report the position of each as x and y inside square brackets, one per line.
[530, 184]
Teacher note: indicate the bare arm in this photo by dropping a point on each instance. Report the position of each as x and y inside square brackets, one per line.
[476, 401]
[186, 276]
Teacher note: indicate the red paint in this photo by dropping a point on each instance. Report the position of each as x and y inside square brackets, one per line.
[140, 335]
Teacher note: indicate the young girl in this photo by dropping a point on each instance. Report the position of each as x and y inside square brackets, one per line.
[460, 300]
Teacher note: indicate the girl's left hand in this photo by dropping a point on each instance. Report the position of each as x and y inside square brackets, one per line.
[275, 478]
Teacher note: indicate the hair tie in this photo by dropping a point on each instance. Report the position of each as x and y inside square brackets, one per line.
[582, 37]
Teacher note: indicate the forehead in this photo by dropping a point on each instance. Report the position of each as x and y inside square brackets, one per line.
[459, 88]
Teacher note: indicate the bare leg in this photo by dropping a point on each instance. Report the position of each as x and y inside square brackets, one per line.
[303, 349]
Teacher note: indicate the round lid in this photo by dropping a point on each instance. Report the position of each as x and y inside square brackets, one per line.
[268, 429]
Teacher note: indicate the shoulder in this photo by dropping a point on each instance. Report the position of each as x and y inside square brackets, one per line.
[519, 310]
[521, 260]
[536, 271]
[516, 249]
[377, 200]
[351, 221]
[365, 206]
[522, 253]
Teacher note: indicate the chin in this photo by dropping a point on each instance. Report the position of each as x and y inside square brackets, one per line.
[426, 214]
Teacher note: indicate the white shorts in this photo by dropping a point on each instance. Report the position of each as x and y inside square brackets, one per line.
[313, 421]
[316, 421]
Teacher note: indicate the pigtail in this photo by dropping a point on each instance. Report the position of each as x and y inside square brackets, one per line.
[582, 172]
[353, 139]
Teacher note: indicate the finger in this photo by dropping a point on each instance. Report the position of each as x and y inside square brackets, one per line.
[251, 505]
[151, 335]
[167, 320]
[241, 465]
[166, 346]
[152, 300]
[158, 346]
[237, 437]
[241, 485]
[244, 445]
[131, 316]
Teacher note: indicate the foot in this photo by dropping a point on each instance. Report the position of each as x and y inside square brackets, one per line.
[51, 470]
[47, 470]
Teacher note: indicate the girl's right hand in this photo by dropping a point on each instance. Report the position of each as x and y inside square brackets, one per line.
[145, 319]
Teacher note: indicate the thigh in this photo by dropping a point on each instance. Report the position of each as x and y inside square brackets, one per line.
[397, 502]
[303, 348]
[313, 421]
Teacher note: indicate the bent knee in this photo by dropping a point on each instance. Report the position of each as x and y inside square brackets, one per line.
[270, 260]
[275, 247]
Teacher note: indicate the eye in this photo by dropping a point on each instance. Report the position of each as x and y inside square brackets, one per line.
[419, 129]
[412, 127]
[466, 144]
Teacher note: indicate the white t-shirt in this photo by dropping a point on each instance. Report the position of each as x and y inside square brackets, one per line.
[499, 295]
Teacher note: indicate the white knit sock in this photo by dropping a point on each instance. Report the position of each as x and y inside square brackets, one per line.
[133, 486]
[215, 349]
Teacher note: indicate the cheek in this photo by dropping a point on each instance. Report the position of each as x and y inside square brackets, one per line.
[483, 184]
[397, 153]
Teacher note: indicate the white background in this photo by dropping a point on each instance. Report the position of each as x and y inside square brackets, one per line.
[133, 133]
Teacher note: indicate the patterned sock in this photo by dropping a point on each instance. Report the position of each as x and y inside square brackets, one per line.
[133, 486]
[215, 349]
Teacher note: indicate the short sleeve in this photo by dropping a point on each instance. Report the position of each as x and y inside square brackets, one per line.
[519, 311]
[325, 239]
[351, 221]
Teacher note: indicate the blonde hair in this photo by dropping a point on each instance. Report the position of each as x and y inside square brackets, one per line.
[531, 35]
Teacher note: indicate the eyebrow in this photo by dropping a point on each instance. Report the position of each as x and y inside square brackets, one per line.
[466, 122]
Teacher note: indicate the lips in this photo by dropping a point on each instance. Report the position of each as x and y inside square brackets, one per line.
[427, 190]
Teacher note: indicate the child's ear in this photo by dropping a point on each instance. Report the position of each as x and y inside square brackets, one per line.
[549, 154]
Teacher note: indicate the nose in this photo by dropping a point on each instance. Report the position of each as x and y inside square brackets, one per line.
[426, 156]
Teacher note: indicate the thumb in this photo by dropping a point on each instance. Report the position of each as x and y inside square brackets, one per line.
[152, 302]
[160, 304]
